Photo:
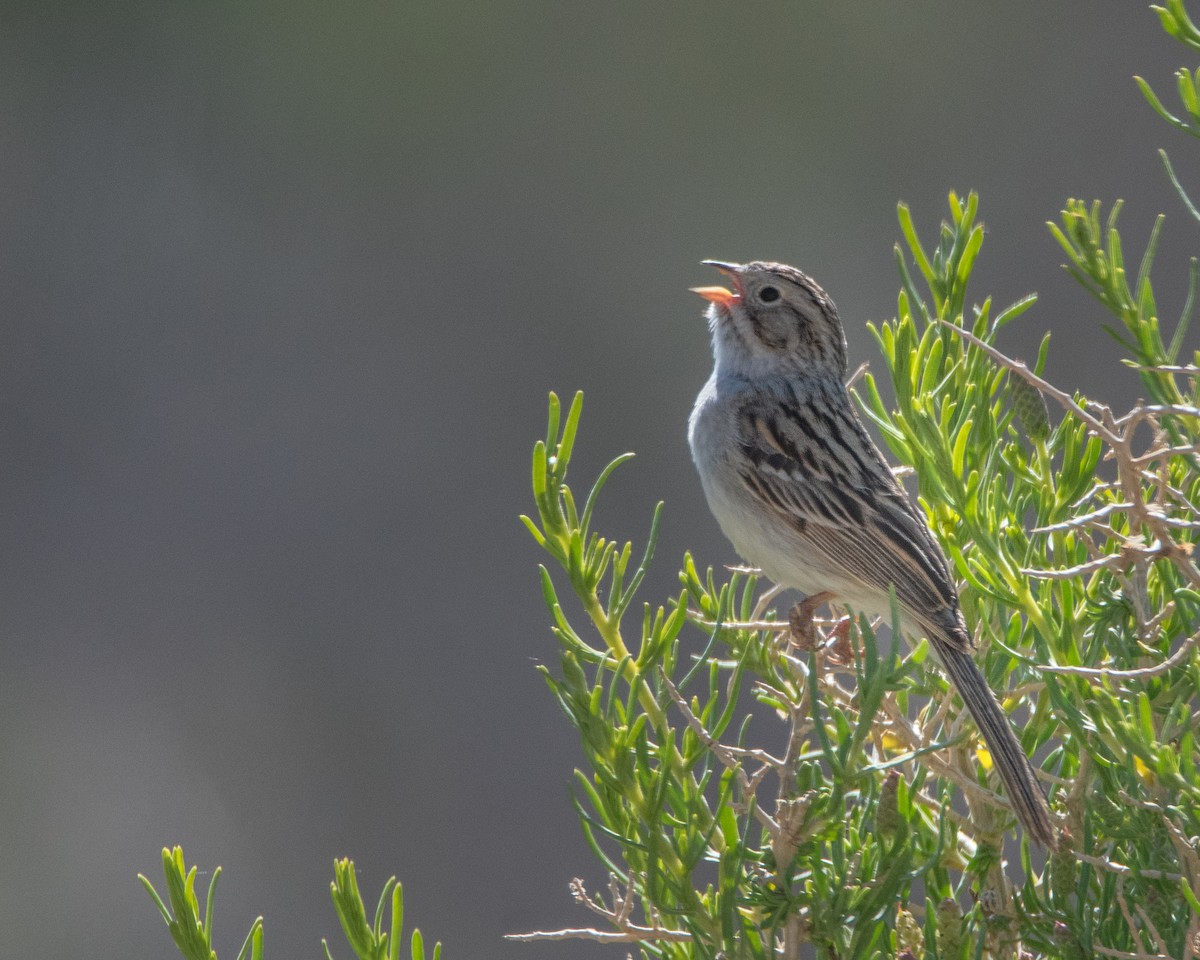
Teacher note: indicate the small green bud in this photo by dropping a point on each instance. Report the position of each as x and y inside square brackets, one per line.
[909, 937]
[1030, 408]
[1160, 909]
[950, 930]
[887, 813]
[1064, 872]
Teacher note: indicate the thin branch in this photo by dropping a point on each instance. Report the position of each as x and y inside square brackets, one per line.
[1157, 409]
[626, 931]
[1129, 921]
[1110, 561]
[1084, 519]
[1042, 386]
[857, 374]
[1163, 367]
[1119, 868]
[729, 756]
[1163, 453]
[1172, 661]
[914, 740]
[1159, 942]
[631, 934]
[760, 608]
[1126, 955]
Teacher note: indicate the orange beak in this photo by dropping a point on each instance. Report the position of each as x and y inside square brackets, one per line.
[716, 295]
[719, 295]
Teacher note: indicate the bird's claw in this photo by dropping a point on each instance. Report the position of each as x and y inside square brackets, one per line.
[800, 620]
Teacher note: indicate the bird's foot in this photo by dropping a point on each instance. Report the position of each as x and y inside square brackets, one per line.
[800, 619]
[840, 648]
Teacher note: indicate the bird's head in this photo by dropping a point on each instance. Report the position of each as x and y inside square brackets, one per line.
[775, 321]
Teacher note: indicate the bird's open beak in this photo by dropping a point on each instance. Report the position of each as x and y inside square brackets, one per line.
[716, 295]
[721, 295]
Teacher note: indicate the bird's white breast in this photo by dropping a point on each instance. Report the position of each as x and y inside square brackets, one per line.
[760, 535]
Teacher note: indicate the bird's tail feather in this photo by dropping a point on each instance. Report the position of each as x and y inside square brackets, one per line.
[1007, 754]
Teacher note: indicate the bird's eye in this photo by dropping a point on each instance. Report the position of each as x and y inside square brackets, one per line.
[768, 294]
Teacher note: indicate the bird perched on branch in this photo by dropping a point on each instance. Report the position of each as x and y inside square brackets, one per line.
[801, 491]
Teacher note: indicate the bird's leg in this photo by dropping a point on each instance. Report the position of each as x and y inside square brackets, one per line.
[800, 619]
[840, 648]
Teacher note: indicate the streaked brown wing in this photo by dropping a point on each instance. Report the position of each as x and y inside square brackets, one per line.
[840, 495]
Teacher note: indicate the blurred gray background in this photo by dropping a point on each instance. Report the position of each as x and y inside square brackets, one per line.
[283, 288]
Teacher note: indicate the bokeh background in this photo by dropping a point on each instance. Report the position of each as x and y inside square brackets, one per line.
[282, 290]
